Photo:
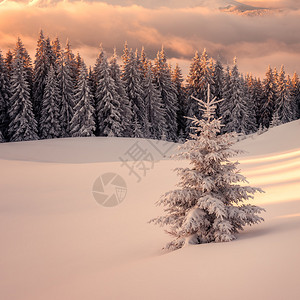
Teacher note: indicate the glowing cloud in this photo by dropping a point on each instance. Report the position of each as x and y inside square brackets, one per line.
[256, 41]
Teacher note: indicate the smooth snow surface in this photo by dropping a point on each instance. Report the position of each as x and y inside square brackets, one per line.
[57, 242]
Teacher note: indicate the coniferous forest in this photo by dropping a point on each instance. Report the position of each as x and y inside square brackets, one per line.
[57, 95]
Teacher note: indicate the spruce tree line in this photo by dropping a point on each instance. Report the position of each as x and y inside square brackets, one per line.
[58, 96]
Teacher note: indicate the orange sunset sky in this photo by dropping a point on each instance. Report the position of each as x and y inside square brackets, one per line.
[181, 26]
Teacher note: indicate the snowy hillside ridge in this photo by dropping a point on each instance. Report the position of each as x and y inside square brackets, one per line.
[54, 233]
[83, 149]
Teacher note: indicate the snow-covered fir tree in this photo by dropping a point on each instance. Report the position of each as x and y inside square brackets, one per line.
[26, 61]
[3, 116]
[250, 108]
[206, 74]
[225, 105]
[177, 80]
[284, 105]
[194, 89]
[235, 108]
[70, 58]
[67, 87]
[50, 123]
[144, 63]
[2, 139]
[125, 56]
[97, 67]
[108, 109]
[140, 66]
[295, 92]
[162, 75]
[208, 205]
[56, 48]
[82, 123]
[134, 88]
[275, 120]
[8, 62]
[125, 105]
[155, 111]
[218, 81]
[41, 68]
[51, 57]
[78, 62]
[268, 99]
[255, 91]
[4, 97]
[137, 131]
[22, 126]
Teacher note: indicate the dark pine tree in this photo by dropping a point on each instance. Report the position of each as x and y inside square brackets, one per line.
[126, 109]
[108, 105]
[295, 93]
[269, 99]
[41, 68]
[177, 80]
[4, 98]
[50, 111]
[284, 106]
[134, 90]
[217, 85]
[22, 126]
[83, 123]
[162, 75]
[66, 86]
[155, 111]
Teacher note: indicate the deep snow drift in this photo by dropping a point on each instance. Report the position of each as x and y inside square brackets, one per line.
[57, 242]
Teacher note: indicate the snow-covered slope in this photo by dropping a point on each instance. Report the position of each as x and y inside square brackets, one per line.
[57, 242]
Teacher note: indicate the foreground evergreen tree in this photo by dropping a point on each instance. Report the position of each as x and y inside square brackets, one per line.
[208, 205]
[22, 126]
[50, 111]
[82, 123]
